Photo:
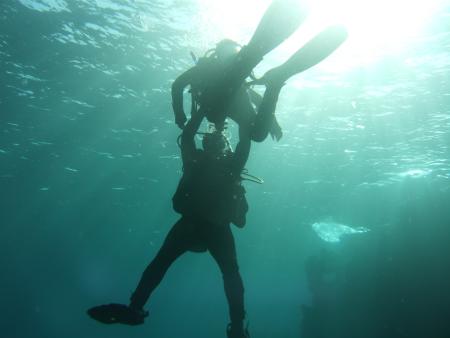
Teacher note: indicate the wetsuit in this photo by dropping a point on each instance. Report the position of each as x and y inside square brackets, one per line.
[211, 76]
[197, 230]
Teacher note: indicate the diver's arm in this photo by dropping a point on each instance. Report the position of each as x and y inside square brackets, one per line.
[178, 86]
[188, 147]
[242, 151]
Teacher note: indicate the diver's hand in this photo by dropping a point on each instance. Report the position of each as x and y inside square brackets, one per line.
[180, 120]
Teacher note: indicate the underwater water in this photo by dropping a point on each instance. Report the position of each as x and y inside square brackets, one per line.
[347, 237]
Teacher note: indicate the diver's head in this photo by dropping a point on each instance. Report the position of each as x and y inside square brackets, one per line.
[226, 49]
[216, 144]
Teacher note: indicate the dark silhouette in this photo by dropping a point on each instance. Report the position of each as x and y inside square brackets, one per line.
[240, 107]
[221, 85]
[209, 197]
[219, 89]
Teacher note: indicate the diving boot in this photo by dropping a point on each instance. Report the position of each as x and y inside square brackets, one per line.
[117, 313]
[237, 331]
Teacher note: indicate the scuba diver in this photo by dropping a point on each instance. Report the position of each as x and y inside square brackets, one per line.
[218, 83]
[210, 67]
[209, 197]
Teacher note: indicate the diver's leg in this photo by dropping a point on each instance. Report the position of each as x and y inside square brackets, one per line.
[286, 16]
[222, 248]
[265, 119]
[174, 246]
[243, 113]
[241, 108]
[316, 50]
[218, 96]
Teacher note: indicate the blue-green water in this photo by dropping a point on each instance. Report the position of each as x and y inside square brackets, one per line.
[348, 236]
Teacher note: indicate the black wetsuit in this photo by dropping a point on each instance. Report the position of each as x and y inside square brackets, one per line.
[198, 230]
[190, 234]
[239, 99]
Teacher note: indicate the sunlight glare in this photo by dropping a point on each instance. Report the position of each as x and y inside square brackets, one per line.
[376, 27]
[233, 19]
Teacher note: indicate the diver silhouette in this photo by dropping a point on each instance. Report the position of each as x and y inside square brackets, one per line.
[209, 197]
[219, 89]
[218, 81]
[241, 104]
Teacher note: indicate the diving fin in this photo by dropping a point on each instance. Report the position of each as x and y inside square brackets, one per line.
[280, 21]
[313, 52]
[117, 313]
